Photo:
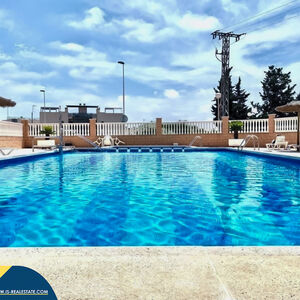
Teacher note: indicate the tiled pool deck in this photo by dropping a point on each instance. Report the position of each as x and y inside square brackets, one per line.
[164, 272]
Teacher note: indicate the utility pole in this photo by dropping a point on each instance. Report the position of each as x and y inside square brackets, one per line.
[225, 54]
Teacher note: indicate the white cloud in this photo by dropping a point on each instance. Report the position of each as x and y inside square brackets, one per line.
[10, 70]
[171, 93]
[193, 22]
[93, 18]
[171, 23]
[142, 31]
[68, 46]
[5, 21]
[235, 7]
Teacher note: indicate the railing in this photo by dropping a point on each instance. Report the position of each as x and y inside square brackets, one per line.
[286, 124]
[70, 129]
[204, 127]
[125, 129]
[35, 128]
[168, 128]
[255, 125]
[11, 129]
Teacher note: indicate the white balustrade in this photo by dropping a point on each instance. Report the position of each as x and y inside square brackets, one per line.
[11, 129]
[36, 128]
[204, 127]
[254, 125]
[286, 124]
[118, 129]
[70, 129]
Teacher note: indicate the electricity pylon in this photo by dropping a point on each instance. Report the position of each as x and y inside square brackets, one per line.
[225, 54]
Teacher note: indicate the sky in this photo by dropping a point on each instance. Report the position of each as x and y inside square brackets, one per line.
[70, 48]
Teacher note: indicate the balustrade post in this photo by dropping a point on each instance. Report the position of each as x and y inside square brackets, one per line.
[225, 124]
[158, 126]
[93, 131]
[25, 128]
[272, 123]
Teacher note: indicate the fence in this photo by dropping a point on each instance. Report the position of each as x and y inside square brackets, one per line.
[204, 127]
[11, 129]
[125, 129]
[286, 124]
[70, 129]
[148, 129]
[255, 126]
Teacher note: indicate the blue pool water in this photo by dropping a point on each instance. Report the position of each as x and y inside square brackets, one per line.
[134, 199]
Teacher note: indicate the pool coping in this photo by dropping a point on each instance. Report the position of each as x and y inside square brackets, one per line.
[292, 156]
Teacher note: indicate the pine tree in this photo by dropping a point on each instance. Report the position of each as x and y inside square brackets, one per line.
[238, 108]
[214, 108]
[276, 90]
[298, 97]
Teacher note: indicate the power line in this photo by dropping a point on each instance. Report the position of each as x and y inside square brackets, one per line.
[274, 23]
[261, 14]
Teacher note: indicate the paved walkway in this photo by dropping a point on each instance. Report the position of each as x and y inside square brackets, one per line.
[22, 152]
[278, 153]
[227, 273]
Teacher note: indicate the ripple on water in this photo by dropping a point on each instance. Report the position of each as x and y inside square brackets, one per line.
[133, 199]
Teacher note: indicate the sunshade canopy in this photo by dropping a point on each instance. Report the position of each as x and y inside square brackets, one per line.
[6, 102]
[293, 106]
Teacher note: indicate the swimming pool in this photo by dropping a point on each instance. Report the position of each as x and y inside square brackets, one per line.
[204, 198]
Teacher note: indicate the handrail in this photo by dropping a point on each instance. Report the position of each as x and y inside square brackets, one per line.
[197, 137]
[246, 140]
[88, 141]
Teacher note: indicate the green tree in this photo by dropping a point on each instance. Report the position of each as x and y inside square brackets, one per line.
[238, 105]
[214, 107]
[238, 108]
[276, 90]
[298, 97]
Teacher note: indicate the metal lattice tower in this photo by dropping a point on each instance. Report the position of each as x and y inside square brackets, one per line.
[225, 54]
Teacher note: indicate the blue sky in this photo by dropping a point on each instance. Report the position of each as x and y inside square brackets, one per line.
[71, 47]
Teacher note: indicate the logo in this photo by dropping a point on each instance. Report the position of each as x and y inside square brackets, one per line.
[20, 283]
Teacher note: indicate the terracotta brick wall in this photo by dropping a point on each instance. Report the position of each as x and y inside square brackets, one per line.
[11, 142]
[210, 140]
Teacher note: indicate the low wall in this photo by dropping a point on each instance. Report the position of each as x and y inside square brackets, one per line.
[208, 140]
[11, 142]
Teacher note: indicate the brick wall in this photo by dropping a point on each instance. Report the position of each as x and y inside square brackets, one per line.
[11, 142]
[209, 140]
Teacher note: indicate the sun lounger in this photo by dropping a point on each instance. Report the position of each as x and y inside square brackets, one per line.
[44, 144]
[293, 147]
[117, 141]
[278, 143]
[6, 151]
[108, 141]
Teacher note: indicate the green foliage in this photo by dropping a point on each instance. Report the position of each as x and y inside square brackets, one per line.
[238, 108]
[277, 90]
[235, 125]
[47, 130]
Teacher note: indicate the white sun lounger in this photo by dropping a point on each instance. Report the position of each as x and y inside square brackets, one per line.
[278, 144]
[108, 141]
